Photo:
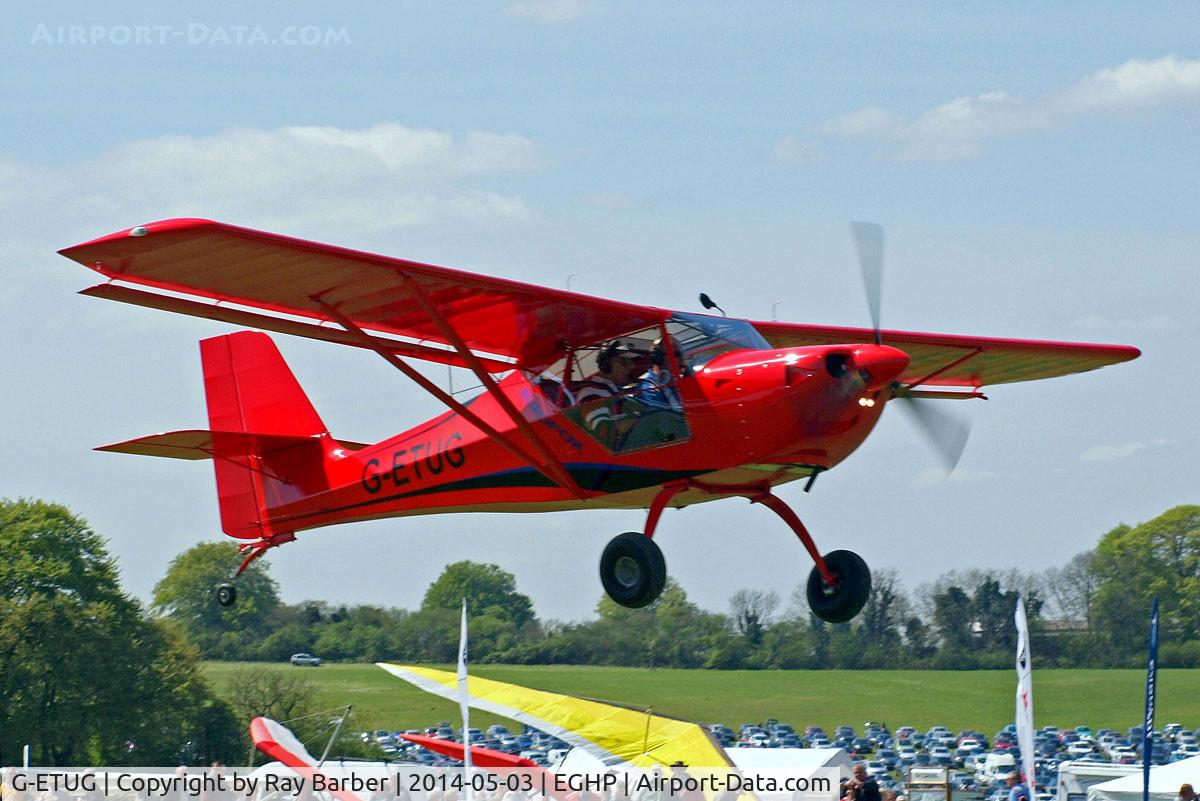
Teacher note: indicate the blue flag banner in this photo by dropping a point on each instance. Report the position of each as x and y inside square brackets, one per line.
[1151, 692]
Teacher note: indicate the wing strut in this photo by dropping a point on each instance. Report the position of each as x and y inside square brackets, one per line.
[391, 358]
[550, 462]
[965, 357]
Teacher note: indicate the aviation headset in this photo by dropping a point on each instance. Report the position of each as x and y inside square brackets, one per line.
[605, 358]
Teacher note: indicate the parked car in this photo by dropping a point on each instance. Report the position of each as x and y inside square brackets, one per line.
[305, 660]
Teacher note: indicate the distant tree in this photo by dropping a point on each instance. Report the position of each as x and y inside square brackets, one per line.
[787, 644]
[820, 634]
[953, 618]
[1160, 557]
[488, 590]
[282, 696]
[882, 617]
[86, 678]
[753, 611]
[991, 614]
[918, 639]
[684, 635]
[1073, 586]
[186, 595]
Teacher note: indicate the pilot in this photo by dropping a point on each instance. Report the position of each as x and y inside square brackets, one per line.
[619, 364]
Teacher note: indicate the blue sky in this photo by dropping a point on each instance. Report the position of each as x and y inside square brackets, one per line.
[1035, 168]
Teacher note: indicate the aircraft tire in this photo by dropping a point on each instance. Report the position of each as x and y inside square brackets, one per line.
[840, 603]
[226, 594]
[633, 570]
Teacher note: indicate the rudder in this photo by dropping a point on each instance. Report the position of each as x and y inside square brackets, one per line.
[249, 388]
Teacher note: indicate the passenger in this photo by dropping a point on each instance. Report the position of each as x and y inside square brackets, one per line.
[657, 388]
[619, 364]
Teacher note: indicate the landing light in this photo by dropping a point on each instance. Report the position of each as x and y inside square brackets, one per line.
[866, 401]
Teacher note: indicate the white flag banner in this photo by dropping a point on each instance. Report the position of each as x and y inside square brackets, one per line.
[1025, 699]
[463, 696]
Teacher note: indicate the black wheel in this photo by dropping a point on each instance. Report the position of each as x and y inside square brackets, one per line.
[226, 594]
[846, 598]
[632, 570]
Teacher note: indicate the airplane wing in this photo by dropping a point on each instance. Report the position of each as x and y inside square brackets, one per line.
[949, 360]
[200, 267]
[611, 733]
[206, 262]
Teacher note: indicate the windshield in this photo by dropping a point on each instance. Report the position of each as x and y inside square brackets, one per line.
[702, 337]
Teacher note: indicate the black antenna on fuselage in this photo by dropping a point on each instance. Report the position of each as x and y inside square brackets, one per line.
[708, 303]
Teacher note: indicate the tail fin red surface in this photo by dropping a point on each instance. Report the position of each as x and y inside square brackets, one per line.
[250, 390]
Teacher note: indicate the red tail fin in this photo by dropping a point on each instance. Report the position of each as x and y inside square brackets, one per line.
[250, 389]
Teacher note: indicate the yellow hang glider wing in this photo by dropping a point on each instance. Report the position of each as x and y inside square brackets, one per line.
[611, 733]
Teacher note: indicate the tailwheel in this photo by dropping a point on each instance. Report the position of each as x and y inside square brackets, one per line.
[226, 591]
[226, 594]
[842, 600]
[632, 570]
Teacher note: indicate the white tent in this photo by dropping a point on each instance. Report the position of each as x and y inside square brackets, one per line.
[832, 763]
[1164, 783]
[798, 761]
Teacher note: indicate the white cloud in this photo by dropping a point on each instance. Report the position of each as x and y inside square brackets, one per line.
[1106, 453]
[865, 121]
[962, 127]
[1135, 85]
[548, 11]
[794, 150]
[380, 177]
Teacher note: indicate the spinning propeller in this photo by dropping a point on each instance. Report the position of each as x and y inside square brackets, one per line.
[946, 433]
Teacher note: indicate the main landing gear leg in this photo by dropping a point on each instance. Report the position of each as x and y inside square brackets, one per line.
[840, 582]
[226, 591]
[634, 572]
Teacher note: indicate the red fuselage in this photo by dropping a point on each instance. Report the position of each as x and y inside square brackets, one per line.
[754, 417]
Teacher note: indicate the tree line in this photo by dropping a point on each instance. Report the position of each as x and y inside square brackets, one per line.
[1090, 612]
[90, 676]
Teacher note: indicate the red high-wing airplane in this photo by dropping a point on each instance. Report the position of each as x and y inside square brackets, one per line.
[723, 407]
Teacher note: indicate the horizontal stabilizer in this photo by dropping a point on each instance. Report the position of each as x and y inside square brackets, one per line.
[201, 444]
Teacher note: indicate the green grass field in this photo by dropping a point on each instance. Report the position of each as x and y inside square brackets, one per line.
[980, 699]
